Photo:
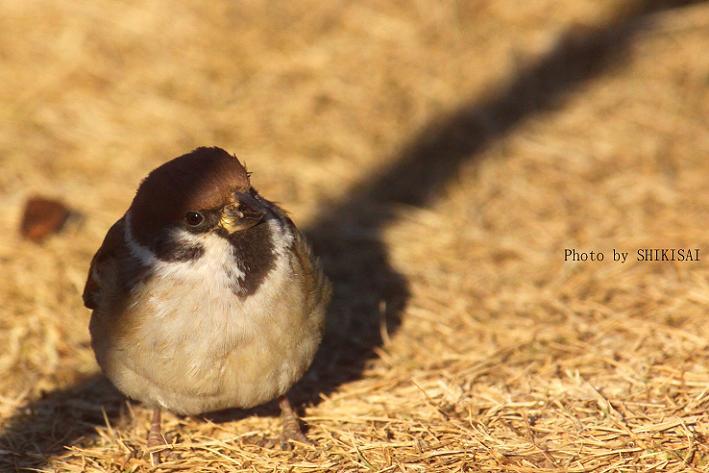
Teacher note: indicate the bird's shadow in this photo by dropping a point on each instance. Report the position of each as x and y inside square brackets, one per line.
[370, 295]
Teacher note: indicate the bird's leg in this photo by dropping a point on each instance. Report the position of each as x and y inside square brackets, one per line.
[291, 424]
[155, 438]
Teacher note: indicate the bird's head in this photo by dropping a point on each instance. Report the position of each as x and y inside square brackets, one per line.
[207, 191]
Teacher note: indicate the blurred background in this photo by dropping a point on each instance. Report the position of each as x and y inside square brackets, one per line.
[441, 155]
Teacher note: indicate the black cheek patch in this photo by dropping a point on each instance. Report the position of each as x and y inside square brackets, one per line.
[167, 248]
[253, 251]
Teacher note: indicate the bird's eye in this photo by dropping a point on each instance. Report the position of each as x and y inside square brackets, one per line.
[193, 219]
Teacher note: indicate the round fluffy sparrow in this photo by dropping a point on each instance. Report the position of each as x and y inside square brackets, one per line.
[205, 295]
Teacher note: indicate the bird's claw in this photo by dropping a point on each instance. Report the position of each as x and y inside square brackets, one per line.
[292, 434]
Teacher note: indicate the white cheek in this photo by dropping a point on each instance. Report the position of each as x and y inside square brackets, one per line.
[215, 265]
[218, 253]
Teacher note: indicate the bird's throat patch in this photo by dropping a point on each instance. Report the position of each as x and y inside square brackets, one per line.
[254, 255]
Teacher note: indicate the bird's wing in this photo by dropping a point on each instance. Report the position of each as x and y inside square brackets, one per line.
[317, 287]
[104, 264]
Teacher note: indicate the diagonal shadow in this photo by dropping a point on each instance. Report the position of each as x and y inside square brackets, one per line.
[348, 236]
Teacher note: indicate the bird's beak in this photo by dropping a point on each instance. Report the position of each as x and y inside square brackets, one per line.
[243, 214]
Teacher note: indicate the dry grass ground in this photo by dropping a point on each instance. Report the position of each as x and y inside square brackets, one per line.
[442, 154]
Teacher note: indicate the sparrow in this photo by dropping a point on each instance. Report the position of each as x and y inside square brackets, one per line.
[205, 295]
